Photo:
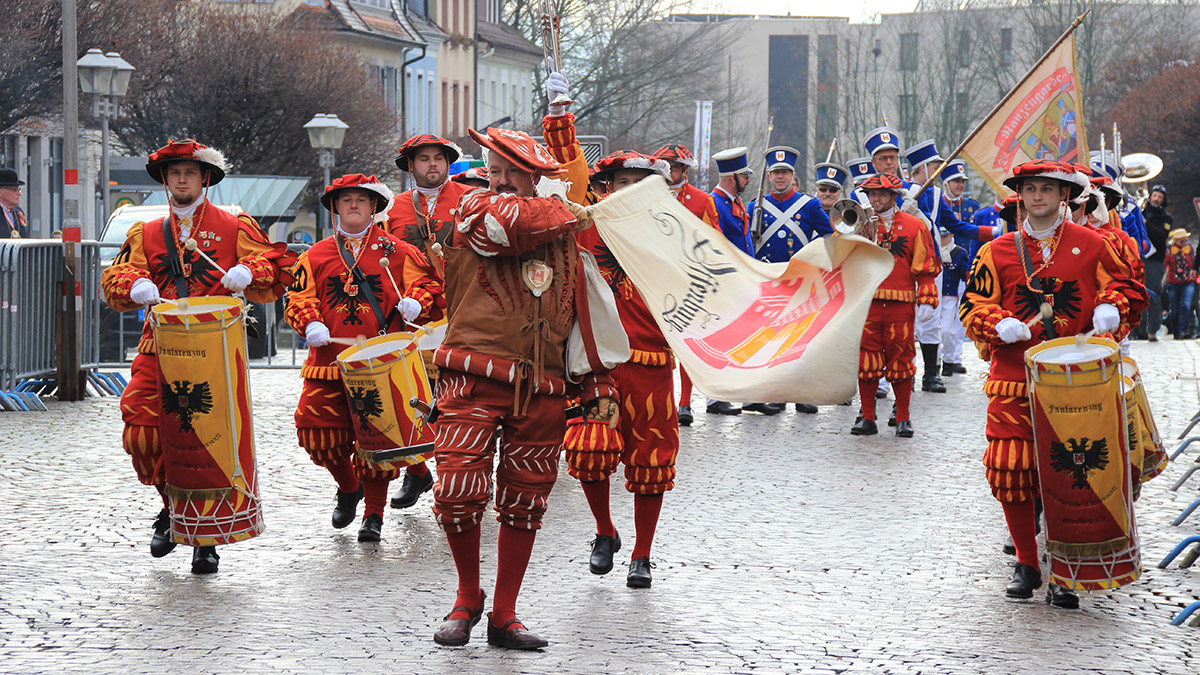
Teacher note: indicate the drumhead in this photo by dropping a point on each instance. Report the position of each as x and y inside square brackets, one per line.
[193, 307]
[1072, 353]
[376, 347]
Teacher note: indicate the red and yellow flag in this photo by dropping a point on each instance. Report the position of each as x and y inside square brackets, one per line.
[1042, 118]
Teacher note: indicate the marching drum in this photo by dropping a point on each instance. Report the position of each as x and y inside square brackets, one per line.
[1146, 453]
[205, 426]
[1079, 425]
[382, 377]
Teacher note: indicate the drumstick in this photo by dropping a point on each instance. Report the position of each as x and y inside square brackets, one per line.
[383, 262]
[352, 342]
[1044, 312]
[190, 245]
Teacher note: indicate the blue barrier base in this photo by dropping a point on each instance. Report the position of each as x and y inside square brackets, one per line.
[28, 394]
[1178, 620]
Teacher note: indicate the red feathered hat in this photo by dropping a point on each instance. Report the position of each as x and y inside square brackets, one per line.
[883, 181]
[629, 159]
[1052, 169]
[1008, 209]
[676, 152]
[187, 150]
[380, 193]
[519, 148]
[453, 152]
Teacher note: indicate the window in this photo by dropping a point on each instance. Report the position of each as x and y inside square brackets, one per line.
[908, 51]
[445, 108]
[964, 48]
[378, 4]
[826, 59]
[466, 109]
[418, 7]
[909, 114]
[491, 11]
[1006, 55]
[454, 110]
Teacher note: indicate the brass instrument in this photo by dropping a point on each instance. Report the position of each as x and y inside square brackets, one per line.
[848, 217]
[1140, 168]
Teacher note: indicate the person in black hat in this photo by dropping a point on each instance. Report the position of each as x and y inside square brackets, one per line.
[12, 225]
[1159, 223]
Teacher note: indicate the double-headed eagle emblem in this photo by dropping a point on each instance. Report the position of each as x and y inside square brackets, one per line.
[186, 400]
[1082, 458]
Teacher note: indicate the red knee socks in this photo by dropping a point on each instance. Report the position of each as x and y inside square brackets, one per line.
[597, 498]
[685, 388]
[645, 518]
[374, 495]
[464, 547]
[866, 394]
[344, 474]
[514, 548]
[903, 390]
[1022, 522]
[418, 470]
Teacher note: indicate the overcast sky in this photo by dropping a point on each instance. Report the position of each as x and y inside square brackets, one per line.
[857, 10]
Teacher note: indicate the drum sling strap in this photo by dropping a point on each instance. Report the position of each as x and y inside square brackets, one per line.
[363, 285]
[181, 289]
[1034, 285]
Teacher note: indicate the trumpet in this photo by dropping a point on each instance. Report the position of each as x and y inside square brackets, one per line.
[848, 217]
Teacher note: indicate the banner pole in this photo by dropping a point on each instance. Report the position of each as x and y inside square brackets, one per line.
[1011, 92]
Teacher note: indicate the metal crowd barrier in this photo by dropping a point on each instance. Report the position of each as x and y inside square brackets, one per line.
[31, 273]
[276, 346]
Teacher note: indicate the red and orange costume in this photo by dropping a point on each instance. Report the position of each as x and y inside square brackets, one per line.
[649, 426]
[325, 291]
[503, 372]
[424, 217]
[888, 347]
[229, 240]
[1077, 270]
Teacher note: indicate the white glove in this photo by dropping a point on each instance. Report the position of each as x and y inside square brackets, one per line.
[316, 334]
[946, 255]
[1106, 318]
[997, 231]
[409, 309]
[909, 206]
[237, 278]
[926, 313]
[144, 292]
[1013, 330]
[556, 85]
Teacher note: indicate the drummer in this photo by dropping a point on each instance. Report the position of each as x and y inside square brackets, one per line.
[343, 290]
[156, 264]
[1087, 285]
[422, 217]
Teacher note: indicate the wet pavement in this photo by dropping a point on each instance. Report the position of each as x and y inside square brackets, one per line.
[787, 546]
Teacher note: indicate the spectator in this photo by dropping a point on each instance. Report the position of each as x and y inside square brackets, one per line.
[1180, 283]
[1158, 225]
[12, 224]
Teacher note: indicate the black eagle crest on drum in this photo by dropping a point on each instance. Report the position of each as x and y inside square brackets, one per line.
[1062, 294]
[186, 400]
[349, 299]
[1082, 458]
[365, 403]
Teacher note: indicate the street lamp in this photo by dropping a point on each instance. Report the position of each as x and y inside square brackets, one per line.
[325, 134]
[105, 76]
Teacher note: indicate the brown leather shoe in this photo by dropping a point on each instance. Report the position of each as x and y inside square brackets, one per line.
[457, 632]
[513, 636]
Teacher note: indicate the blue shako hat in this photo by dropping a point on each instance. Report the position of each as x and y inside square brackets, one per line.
[920, 154]
[831, 174]
[781, 157]
[732, 161]
[883, 138]
[955, 169]
[861, 169]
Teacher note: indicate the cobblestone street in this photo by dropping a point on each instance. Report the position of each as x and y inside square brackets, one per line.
[787, 546]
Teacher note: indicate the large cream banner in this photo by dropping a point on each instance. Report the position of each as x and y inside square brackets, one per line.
[745, 330]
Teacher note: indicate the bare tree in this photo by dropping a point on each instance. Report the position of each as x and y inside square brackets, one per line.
[634, 79]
